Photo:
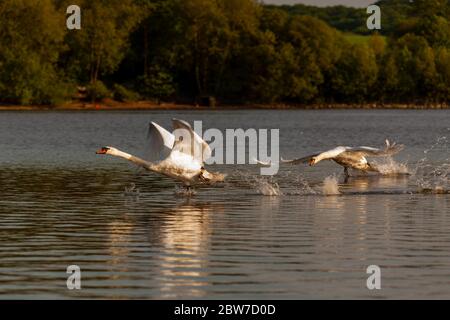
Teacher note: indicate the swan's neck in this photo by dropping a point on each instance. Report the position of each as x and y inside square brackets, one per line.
[320, 157]
[138, 161]
[122, 154]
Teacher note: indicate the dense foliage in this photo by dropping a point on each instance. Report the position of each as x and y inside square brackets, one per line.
[235, 51]
[354, 19]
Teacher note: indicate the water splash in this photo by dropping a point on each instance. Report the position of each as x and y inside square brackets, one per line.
[303, 187]
[263, 185]
[182, 191]
[330, 186]
[429, 175]
[131, 190]
[266, 186]
[391, 167]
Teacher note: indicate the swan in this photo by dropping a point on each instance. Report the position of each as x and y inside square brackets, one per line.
[179, 155]
[351, 157]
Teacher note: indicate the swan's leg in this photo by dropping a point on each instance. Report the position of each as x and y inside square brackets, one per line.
[189, 190]
[346, 174]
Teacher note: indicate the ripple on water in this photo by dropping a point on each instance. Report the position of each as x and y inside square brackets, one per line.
[227, 241]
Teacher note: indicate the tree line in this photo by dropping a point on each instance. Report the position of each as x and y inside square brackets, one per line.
[235, 51]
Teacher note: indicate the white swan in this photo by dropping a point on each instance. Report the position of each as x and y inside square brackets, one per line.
[350, 157]
[179, 155]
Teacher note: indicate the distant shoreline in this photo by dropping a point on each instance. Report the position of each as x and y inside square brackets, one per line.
[149, 105]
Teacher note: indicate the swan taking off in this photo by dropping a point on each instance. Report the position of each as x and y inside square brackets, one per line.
[179, 155]
[350, 157]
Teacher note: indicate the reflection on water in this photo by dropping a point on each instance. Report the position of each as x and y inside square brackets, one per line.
[60, 207]
[186, 241]
[208, 246]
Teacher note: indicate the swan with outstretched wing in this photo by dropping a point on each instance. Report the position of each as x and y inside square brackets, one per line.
[350, 157]
[159, 143]
[179, 155]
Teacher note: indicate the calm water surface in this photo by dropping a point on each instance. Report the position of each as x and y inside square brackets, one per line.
[251, 237]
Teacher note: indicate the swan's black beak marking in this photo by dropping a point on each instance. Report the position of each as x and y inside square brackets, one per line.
[103, 150]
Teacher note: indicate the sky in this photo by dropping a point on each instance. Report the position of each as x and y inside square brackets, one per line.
[324, 3]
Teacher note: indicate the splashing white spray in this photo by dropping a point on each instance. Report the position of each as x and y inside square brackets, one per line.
[262, 185]
[304, 187]
[391, 167]
[267, 187]
[330, 186]
[181, 191]
[429, 175]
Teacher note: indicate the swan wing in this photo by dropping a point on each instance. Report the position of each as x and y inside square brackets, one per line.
[330, 154]
[159, 143]
[389, 150]
[194, 146]
[306, 159]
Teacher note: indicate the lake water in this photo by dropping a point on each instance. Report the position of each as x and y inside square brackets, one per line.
[303, 234]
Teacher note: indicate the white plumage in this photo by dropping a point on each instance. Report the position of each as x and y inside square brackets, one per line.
[350, 157]
[179, 155]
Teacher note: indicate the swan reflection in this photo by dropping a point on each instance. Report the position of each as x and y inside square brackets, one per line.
[185, 238]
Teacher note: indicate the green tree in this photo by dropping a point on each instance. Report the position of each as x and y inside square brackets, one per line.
[31, 41]
[202, 45]
[410, 71]
[209, 37]
[101, 44]
[432, 22]
[273, 20]
[442, 87]
[355, 75]
[157, 84]
[316, 49]
[265, 65]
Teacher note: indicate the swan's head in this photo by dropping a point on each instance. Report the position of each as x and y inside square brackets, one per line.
[107, 150]
[313, 161]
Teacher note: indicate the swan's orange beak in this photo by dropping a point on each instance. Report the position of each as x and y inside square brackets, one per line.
[103, 150]
[312, 162]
